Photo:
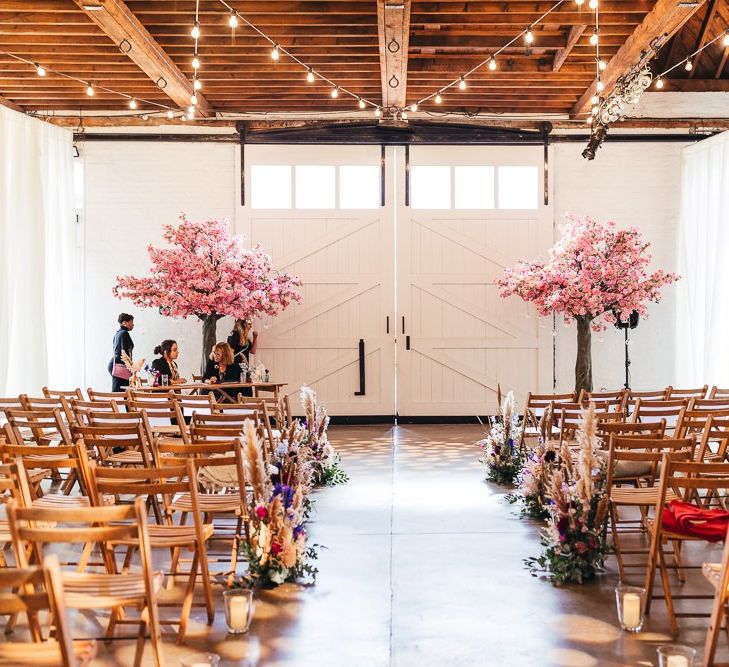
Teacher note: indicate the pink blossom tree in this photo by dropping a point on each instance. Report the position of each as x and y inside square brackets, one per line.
[209, 274]
[595, 273]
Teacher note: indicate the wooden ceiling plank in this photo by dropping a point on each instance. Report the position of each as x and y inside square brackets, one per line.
[119, 24]
[572, 39]
[722, 63]
[393, 25]
[703, 34]
[665, 18]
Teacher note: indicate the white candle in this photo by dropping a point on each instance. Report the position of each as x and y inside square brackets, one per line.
[631, 610]
[677, 661]
[238, 612]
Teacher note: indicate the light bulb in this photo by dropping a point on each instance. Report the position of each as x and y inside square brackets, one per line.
[195, 32]
[274, 53]
[132, 103]
[414, 107]
[90, 90]
[600, 86]
[438, 99]
[659, 82]
[595, 99]
[462, 84]
[335, 91]
[195, 63]
[191, 110]
[145, 116]
[190, 115]
[170, 115]
[588, 120]
[579, 2]
[362, 104]
[310, 75]
[594, 111]
[492, 64]
[183, 118]
[233, 20]
[529, 36]
[378, 112]
[593, 4]
[404, 115]
[601, 64]
[725, 41]
[689, 65]
[594, 38]
[197, 84]
[41, 71]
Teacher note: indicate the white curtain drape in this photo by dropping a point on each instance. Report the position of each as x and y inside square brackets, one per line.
[39, 281]
[702, 353]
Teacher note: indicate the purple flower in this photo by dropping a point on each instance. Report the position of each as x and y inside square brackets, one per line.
[286, 493]
[299, 530]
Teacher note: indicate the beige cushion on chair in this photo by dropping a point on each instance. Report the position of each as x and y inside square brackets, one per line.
[628, 469]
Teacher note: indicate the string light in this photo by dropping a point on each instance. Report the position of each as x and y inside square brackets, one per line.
[195, 62]
[195, 32]
[601, 64]
[689, 65]
[579, 2]
[274, 52]
[233, 20]
[725, 41]
[41, 71]
[132, 103]
[378, 112]
[193, 99]
[170, 115]
[191, 113]
[529, 35]
[492, 63]
[414, 107]
[404, 115]
[600, 86]
[90, 90]
[335, 92]
[183, 118]
[462, 84]
[362, 104]
[593, 4]
[659, 82]
[197, 84]
[438, 99]
[595, 100]
[310, 75]
[594, 38]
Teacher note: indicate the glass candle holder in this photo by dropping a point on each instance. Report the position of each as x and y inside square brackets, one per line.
[238, 609]
[200, 660]
[673, 655]
[630, 601]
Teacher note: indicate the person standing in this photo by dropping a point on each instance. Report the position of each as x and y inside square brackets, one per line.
[243, 343]
[122, 342]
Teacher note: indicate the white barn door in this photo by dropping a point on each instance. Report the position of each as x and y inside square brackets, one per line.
[317, 211]
[473, 211]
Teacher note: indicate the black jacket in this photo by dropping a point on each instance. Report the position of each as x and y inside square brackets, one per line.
[122, 341]
[232, 373]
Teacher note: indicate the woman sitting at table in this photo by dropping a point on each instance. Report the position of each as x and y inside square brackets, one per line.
[221, 368]
[166, 365]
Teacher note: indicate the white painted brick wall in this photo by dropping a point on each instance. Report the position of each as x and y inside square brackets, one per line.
[132, 189]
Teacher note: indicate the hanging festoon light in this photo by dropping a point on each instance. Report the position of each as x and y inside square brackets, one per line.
[659, 82]
[275, 55]
[132, 103]
[592, 4]
[594, 39]
[310, 76]
[599, 86]
[195, 32]
[414, 107]
[438, 99]
[529, 35]
[378, 112]
[193, 99]
[170, 115]
[335, 92]
[233, 20]
[689, 65]
[361, 103]
[462, 83]
[492, 63]
[40, 70]
[195, 62]
[725, 41]
[196, 84]
[601, 64]
[579, 3]
[90, 90]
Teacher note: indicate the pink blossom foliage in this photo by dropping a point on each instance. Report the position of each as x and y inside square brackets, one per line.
[592, 270]
[208, 272]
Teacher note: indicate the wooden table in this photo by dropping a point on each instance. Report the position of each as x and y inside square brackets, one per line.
[222, 388]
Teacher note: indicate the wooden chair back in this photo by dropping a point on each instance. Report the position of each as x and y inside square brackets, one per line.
[106, 442]
[44, 425]
[647, 411]
[119, 397]
[717, 392]
[709, 404]
[192, 404]
[218, 426]
[77, 411]
[615, 399]
[56, 393]
[693, 422]
[162, 413]
[653, 395]
[12, 403]
[714, 440]
[606, 429]
[673, 392]
[536, 404]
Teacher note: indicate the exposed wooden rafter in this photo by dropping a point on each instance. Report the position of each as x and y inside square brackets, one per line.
[393, 23]
[10, 105]
[572, 39]
[696, 86]
[123, 27]
[703, 34]
[666, 17]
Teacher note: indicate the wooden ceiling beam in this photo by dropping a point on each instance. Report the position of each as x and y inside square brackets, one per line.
[695, 86]
[10, 105]
[572, 39]
[120, 25]
[703, 34]
[722, 63]
[666, 17]
[393, 27]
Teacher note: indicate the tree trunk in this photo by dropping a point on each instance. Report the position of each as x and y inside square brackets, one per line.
[583, 366]
[208, 338]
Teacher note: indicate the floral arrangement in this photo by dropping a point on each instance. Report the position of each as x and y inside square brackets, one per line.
[502, 454]
[534, 478]
[596, 273]
[325, 460]
[209, 274]
[276, 548]
[133, 367]
[575, 541]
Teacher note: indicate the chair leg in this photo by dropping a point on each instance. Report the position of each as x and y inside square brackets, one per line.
[712, 634]
[616, 540]
[187, 603]
[666, 581]
[681, 573]
[207, 586]
[139, 649]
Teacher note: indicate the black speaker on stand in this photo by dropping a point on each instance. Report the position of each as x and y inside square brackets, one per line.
[632, 323]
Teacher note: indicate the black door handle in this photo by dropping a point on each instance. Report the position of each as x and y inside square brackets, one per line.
[361, 391]
[407, 342]
[388, 324]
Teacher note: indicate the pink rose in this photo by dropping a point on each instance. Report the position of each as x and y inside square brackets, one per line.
[261, 511]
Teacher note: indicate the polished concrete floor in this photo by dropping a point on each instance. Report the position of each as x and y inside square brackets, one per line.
[421, 565]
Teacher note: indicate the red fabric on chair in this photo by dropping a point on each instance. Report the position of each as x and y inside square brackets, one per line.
[687, 519]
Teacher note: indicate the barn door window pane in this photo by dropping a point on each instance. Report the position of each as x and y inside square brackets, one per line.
[474, 187]
[359, 187]
[430, 187]
[518, 188]
[270, 186]
[315, 187]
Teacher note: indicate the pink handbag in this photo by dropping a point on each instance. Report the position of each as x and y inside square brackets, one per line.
[121, 371]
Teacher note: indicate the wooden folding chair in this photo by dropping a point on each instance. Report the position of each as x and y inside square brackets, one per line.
[12, 403]
[164, 416]
[534, 408]
[693, 422]
[124, 441]
[44, 426]
[119, 397]
[646, 411]
[717, 574]
[634, 462]
[54, 393]
[652, 395]
[77, 410]
[30, 590]
[714, 440]
[192, 404]
[222, 486]
[709, 404]
[691, 482]
[716, 392]
[167, 483]
[106, 526]
[629, 430]
[614, 399]
[673, 392]
[566, 418]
